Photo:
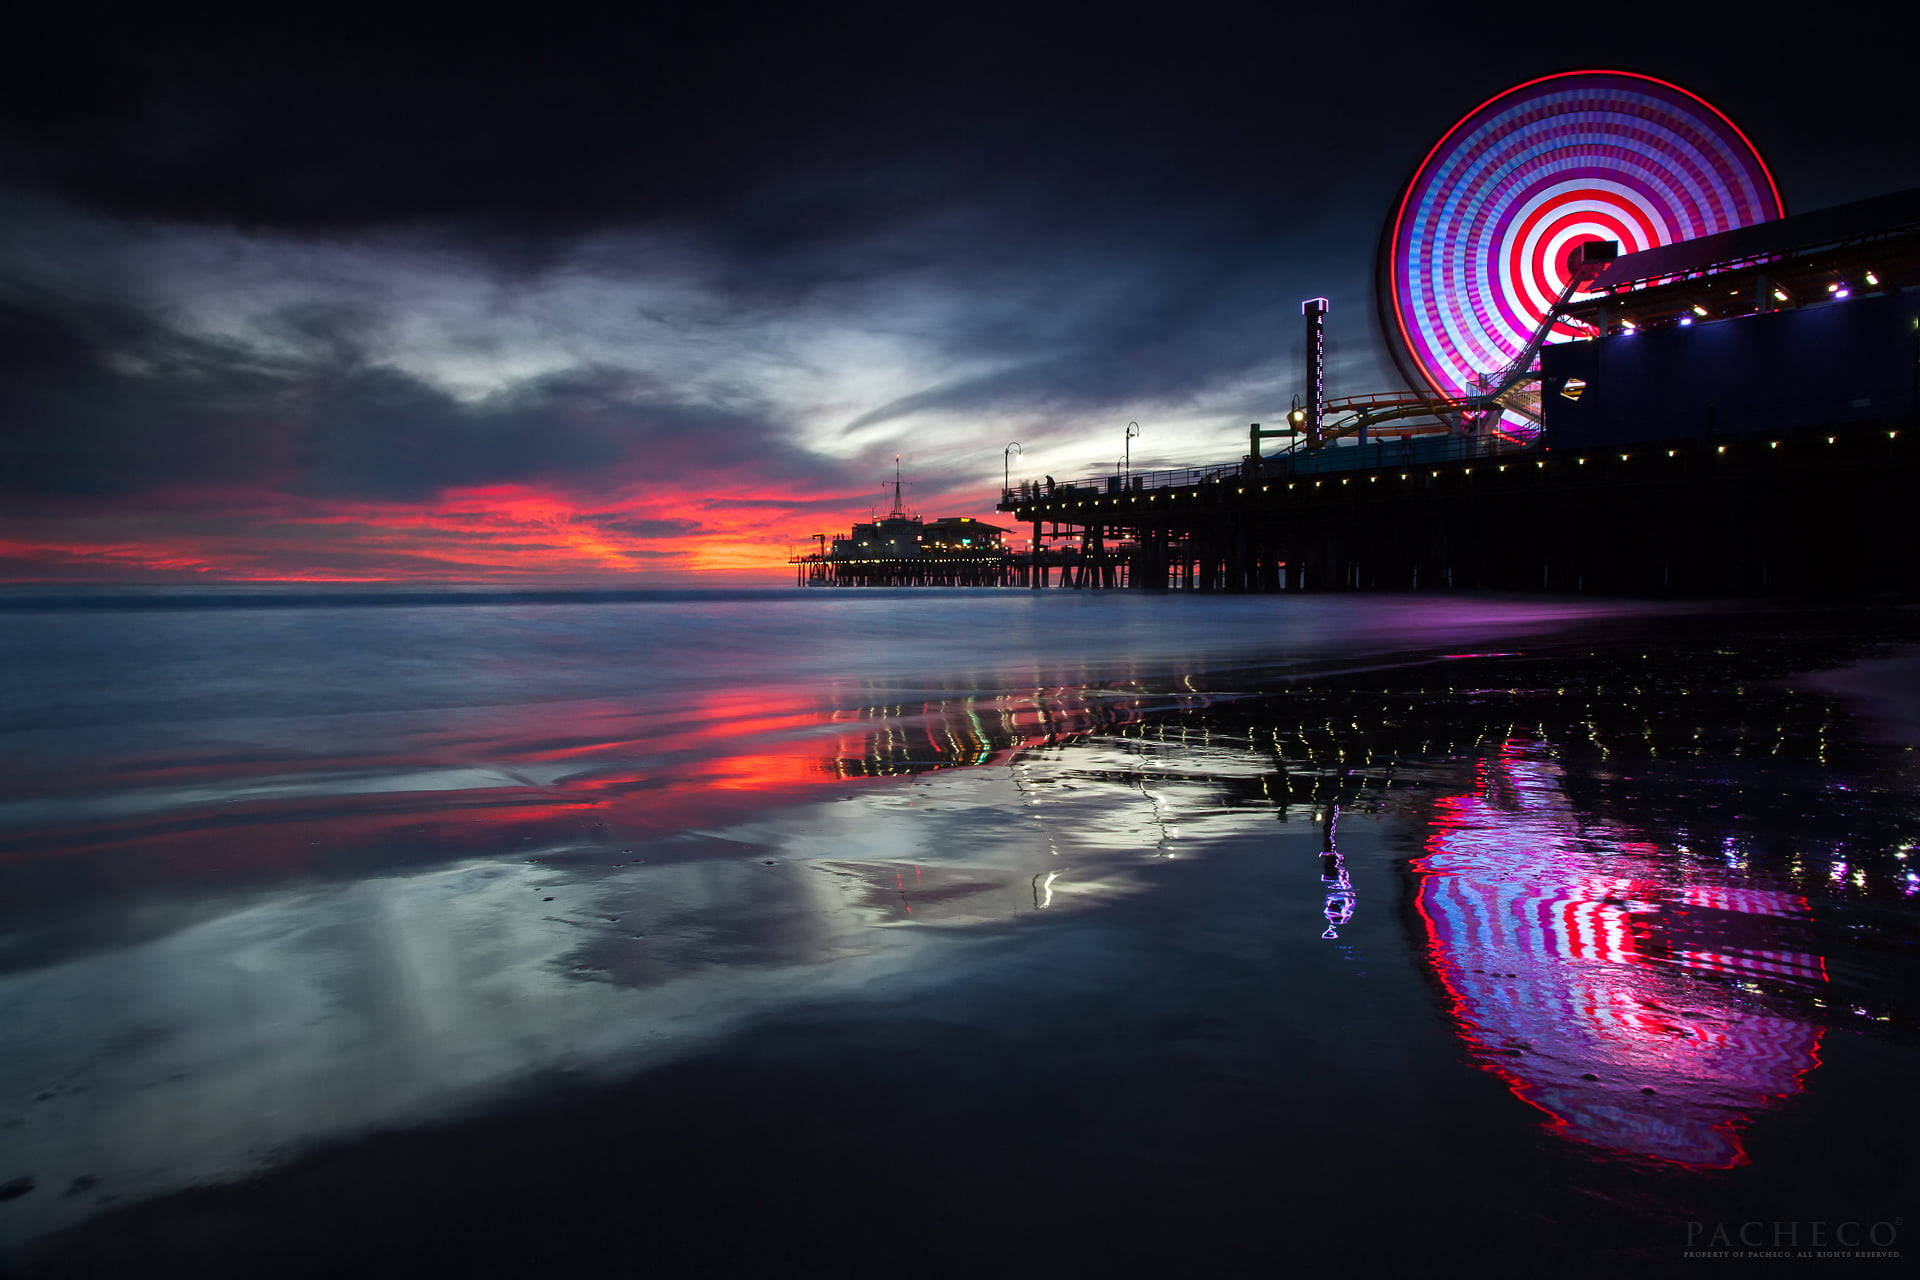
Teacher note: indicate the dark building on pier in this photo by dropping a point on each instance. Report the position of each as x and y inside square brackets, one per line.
[901, 550]
[1804, 321]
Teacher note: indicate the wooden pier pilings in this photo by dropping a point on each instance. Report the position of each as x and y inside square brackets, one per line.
[1809, 510]
[998, 570]
[1066, 567]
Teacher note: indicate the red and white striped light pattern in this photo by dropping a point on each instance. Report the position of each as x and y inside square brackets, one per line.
[1590, 969]
[1483, 235]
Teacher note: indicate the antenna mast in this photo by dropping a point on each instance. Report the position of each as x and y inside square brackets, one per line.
[898, 511]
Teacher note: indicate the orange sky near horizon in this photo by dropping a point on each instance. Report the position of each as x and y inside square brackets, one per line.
[499, 533]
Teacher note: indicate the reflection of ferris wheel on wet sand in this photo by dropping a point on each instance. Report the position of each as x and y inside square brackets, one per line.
[1515, 208]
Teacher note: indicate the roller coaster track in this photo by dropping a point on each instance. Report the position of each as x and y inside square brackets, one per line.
[1514, 389]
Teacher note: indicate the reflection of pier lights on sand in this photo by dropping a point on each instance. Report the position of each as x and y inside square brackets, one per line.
[1340, 900]
[1163, 847]
[881, 740]
[1602, 981]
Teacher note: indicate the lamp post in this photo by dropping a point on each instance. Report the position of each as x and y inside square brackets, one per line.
[1126, 462]
[1006, 467]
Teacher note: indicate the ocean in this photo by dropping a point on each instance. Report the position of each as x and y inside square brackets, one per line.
[816, 932]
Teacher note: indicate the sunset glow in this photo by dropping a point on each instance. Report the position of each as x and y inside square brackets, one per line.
[505, 533]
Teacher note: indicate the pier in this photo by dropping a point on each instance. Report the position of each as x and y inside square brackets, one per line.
[1811, 509]
[1730, 415]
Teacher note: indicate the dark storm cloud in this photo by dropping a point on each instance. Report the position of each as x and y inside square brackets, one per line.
[777, 127]
[773, 129]
[810, 150]
[101, 400]
[1115, 335]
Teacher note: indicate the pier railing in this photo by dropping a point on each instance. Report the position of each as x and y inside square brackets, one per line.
[1372, 455]
[1130, 482]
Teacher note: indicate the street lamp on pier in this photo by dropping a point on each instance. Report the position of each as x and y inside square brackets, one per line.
[1126, 461]
[1006, 468]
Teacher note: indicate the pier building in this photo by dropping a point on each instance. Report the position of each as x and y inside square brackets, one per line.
[900, 549]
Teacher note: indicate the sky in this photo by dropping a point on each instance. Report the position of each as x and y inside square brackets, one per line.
[559, 298]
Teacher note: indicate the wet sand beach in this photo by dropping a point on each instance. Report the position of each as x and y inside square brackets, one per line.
[784, 934]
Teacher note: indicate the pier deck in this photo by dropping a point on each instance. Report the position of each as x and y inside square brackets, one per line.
[1811, 509]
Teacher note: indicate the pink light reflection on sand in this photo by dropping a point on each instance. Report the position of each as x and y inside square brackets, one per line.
[1569, 951]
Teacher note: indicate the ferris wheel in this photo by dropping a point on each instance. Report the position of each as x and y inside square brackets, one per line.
[1488, 237]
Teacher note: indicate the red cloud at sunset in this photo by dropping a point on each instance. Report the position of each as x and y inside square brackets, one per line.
[741, 534]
